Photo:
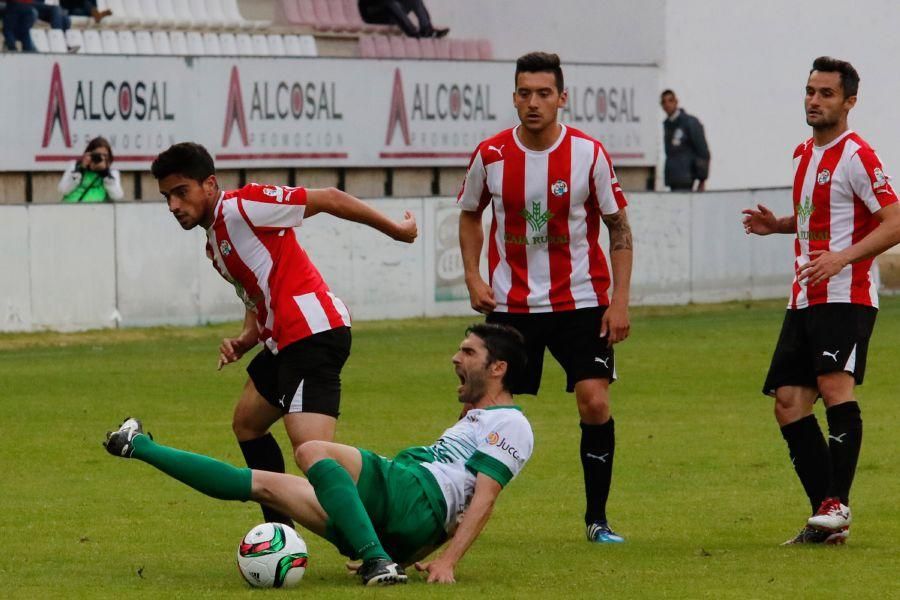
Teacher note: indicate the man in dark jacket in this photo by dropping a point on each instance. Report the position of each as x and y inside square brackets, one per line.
[687, 155]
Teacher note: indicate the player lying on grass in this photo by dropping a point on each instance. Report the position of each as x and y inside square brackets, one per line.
[388, 513]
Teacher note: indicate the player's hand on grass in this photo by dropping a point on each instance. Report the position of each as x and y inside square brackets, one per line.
[481, 296]
[822, 266]
[407, 229]
[438, 571]
[760, 222]
[232, 349]
[615, 325]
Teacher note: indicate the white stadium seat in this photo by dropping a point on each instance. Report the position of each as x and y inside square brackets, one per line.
[183, 15]
[109, 41]
[292, 45]
[228, 44]
[93, 44]
[135, 10]
[155, 8]
[215, 13]
[144, 41]
[178, 43]
[211, 44]
[195, 43]
[260, 45]
[161, 42]
[235, 19]
[168, 17]
[57, 40]
[276, 44]
[39, 39]
[198, 12]
[74, 39]
[127, 43]
[244, 44]
[308, 43]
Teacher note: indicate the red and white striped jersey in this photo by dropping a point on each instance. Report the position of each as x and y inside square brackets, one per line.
[252, 245]
[544, 251]
[837, 188]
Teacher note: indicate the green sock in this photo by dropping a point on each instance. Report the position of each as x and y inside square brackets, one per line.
[339, 497]
[207, 475]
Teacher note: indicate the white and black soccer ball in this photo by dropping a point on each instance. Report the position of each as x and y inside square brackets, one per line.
[272, 555]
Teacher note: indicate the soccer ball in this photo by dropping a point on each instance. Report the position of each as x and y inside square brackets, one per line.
[272, 555]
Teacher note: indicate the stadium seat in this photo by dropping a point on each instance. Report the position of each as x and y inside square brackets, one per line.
[134, 10]
[308, 43]
[398, 48]
[178, 43]
[307, 12]
[351, 11]
[109, 41]
[164, 15]
[57, 41]
[161, 42]
[442, 48]
[244, 44]
[74, 40]
[367, 47]
[127, 43]
[39, 39]
[227, 44]
[276, 44]
[485, 49]
[428, 48]
[235, 19]
[212, 44]
[412, 47]
[260, 45]
[183, 15]
[287, 11]
[458, 49]
[93, 42]
[144, 42]
[324, 20]
[197, 9]
[118, 17]
[168, 17]
[292, 46]
[470, 49]
[195, 43]
[215, 13]
[382, 46]
[339, 18]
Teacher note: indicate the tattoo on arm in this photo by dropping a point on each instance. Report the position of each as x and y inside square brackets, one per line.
[619, 231]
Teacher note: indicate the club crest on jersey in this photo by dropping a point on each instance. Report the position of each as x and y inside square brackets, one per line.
[225, 247]
[880, 178]
[823, 177]
[275, 192]
[559, 188]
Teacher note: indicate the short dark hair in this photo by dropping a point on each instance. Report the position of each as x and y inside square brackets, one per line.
[503, 343]
[849, 76]
[186, 158]
[665, 93]
[100, 142]
[539, 62]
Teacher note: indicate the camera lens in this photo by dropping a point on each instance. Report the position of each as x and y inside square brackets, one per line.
[97, 157]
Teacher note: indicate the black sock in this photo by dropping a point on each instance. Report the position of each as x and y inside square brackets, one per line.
[810, 456]
[598, 445]
[844, 441]
[263, 454]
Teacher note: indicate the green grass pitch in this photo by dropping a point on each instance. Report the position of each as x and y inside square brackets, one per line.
[703, 489]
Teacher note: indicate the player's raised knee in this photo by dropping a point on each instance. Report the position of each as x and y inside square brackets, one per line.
[309, 453]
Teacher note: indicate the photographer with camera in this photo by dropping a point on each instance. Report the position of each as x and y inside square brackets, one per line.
[91, 179]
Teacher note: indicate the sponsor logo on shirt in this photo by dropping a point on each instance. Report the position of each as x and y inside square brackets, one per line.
[536, 218]
[823, 177]
[495, 439]
[559, 188]
[524, 240]
[804, 210]
[225, 247]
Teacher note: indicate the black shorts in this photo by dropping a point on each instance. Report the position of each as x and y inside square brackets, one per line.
[304, 376]
[820, 339]
[573, 338]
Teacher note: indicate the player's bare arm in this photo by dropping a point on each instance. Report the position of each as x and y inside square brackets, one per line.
[344, 206]
[615, 323]
[825, 264]
[440, 570]
[471, 240]
[232, 349]
[763, 221]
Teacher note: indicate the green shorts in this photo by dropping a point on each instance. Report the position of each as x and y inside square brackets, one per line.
[405, 505]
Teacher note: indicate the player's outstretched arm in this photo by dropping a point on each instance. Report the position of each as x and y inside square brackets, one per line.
[347, 207]
[471, 240]
[762, 221]
[440, 570]
[615, 323]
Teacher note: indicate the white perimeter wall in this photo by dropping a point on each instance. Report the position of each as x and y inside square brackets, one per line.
[69, 267]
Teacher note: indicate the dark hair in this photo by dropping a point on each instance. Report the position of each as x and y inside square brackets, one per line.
[503, 343]
[667, 92]
[100, 142]
[538, 62]
[187, 158]
[849, 76]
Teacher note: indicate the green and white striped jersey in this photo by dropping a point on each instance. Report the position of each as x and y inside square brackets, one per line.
[496, 441]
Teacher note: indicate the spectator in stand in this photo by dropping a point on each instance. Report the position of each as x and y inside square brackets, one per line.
[687, 155]
[84, 8]
[91, 179]
[17, 21]
[396, 12]
[55, 16]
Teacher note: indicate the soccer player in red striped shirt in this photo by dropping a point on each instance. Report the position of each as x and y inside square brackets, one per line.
[304, 328]
[549, 186]
[845, 214]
